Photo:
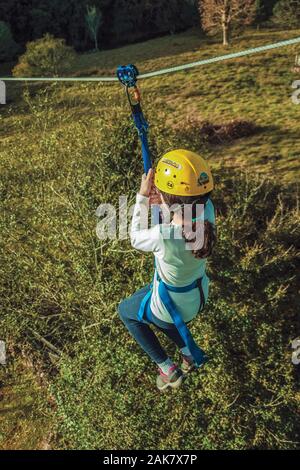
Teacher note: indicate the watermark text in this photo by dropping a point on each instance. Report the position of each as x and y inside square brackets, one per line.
[2, 92]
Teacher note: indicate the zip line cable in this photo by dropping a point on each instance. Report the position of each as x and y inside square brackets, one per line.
[234, 55]
[178, 68]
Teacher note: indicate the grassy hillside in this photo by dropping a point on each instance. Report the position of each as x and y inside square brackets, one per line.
[256, 88]
[25, 416]
[67, 148]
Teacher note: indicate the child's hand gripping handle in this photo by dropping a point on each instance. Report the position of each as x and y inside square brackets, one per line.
[148, 189]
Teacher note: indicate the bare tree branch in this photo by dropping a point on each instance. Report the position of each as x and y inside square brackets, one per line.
[221, 14]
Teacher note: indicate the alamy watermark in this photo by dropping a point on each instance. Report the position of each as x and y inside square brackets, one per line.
[2, 92]
[2, 353]
[114, 223]
[296, 351]
[296, 93]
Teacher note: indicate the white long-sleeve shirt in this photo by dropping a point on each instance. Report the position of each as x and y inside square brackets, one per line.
[175, 264]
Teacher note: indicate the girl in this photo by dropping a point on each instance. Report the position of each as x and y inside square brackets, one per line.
[179, 290]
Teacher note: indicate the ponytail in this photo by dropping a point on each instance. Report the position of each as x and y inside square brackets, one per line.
[208, 236]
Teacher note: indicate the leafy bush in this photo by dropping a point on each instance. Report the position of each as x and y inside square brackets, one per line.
[47, 56]
[8, 47]
[59, 281]
[287, 13]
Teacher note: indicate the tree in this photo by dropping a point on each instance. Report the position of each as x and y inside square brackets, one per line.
[93, 18]
[222, 14]
[260, 12]
[47, 56]
[134, 20]
[8, 47]
[287, 13]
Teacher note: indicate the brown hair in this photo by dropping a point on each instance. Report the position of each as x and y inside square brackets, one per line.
[210, 236]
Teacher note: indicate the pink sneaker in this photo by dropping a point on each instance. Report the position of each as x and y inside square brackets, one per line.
[173, 379]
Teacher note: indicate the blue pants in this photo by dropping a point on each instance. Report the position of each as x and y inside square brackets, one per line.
[142, 332]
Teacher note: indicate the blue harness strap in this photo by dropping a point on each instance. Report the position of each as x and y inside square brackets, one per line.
[142, 308]
[128, 76]
[142, 127]
[163, 290]
[197, 353]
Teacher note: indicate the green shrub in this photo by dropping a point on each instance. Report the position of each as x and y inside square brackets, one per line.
[47, 56]
[287, 13]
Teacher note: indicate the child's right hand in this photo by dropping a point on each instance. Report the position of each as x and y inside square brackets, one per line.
[146, 183]
[148, 188]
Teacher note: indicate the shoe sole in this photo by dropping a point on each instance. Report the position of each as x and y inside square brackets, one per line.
[188, 371]
[193, 368]
[175, 384]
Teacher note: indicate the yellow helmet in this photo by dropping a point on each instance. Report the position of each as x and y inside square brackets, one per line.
[183, 173]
